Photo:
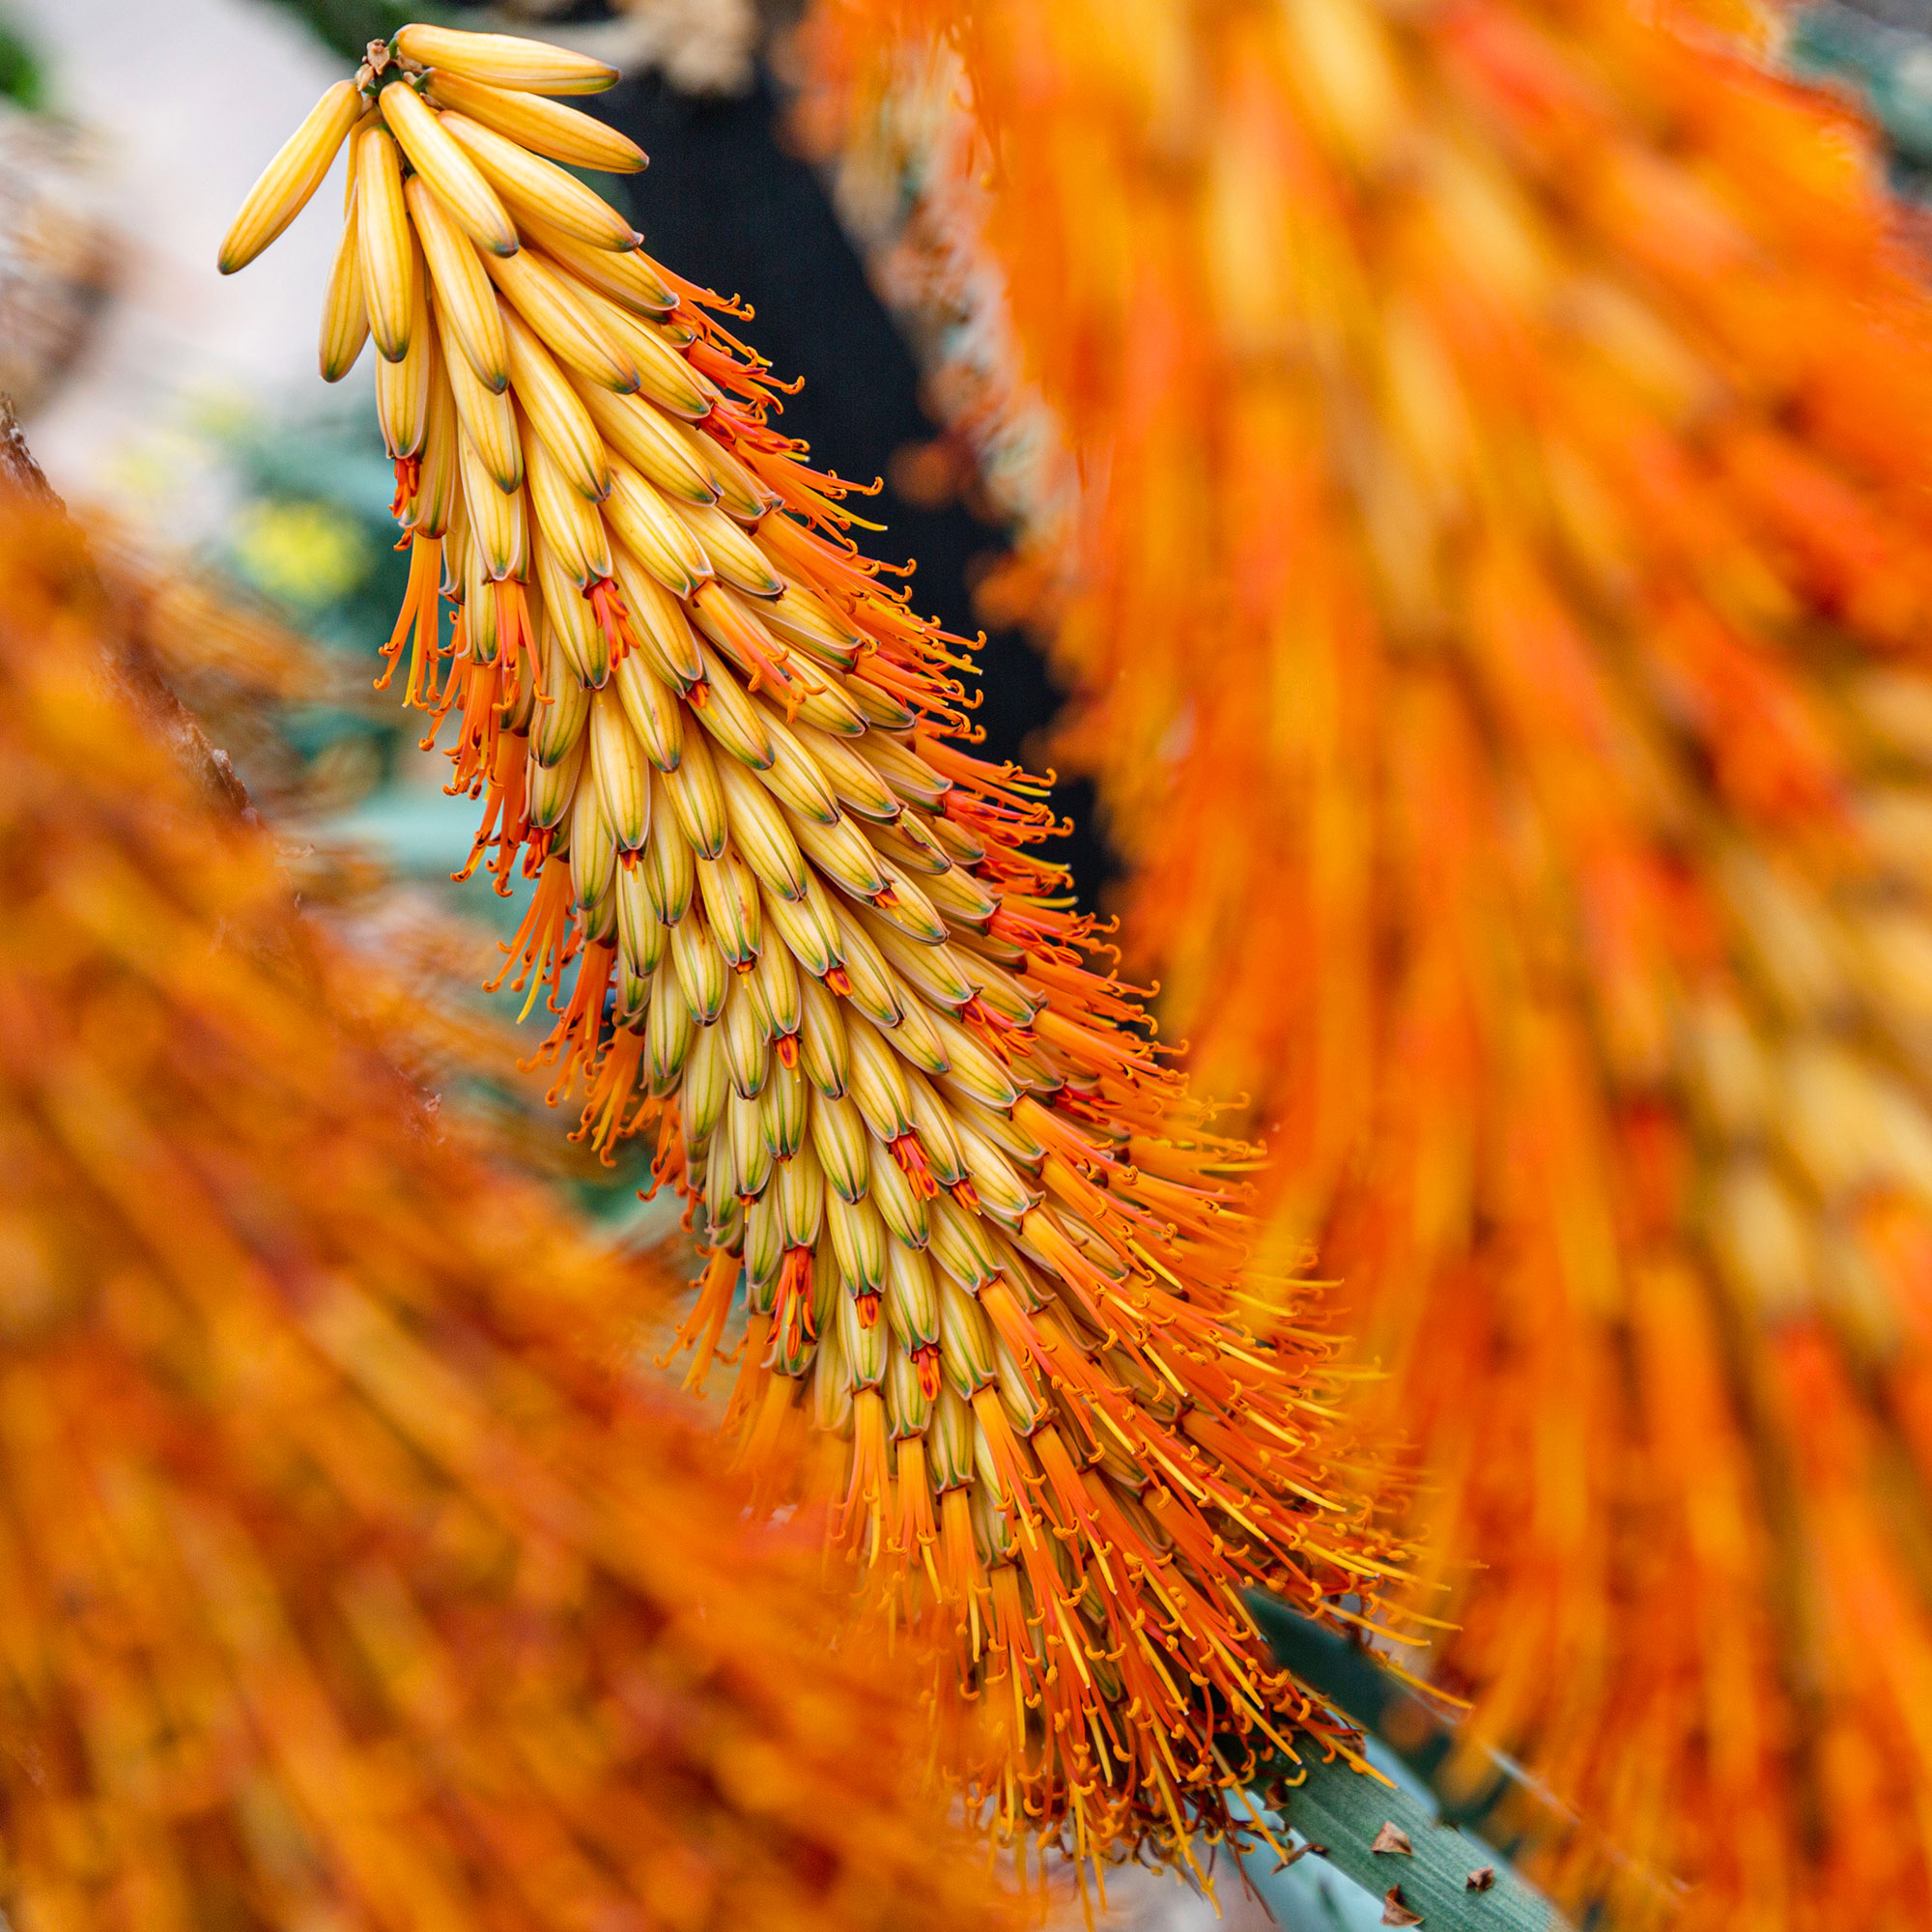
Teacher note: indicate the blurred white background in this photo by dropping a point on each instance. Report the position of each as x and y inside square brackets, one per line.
[182, 105]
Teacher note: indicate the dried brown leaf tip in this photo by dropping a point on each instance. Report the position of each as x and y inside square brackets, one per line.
[1392, 1838]
[1480, 1879]
[1397, 1910]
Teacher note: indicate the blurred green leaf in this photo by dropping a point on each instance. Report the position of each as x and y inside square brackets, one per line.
[21, 80]
[1344, 1811]
[303, 552]
[347, 26]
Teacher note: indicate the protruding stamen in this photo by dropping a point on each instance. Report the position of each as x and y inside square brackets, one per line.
[409, 480]
[614, 615]
[793, 1314]
[419, 615]
[910, 1155]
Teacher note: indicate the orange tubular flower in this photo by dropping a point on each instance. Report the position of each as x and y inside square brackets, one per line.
[346, 1576]
[791, 926]
[1494, 622]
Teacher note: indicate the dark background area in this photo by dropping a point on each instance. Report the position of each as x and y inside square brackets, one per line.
[725, 205]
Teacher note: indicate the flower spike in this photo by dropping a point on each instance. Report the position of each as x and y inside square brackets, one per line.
[987, 1255]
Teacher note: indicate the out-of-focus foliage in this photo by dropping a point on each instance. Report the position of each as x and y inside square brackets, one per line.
[265, 634]
[254, 680]
[348, 1572]
[1496, 617]
[21, 80]
[276, 664]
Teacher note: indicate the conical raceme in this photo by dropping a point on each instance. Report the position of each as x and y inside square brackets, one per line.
[791, 927]
[347, 1576]
[1499, 640]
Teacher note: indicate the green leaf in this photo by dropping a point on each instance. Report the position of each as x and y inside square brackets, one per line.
[1343, 1811]
[1496, 1799]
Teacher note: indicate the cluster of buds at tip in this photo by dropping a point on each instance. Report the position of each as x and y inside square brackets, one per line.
[792, 929]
